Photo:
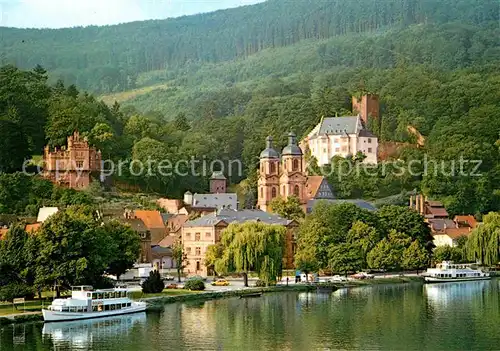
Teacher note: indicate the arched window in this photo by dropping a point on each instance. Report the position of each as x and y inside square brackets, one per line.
[295, 166]
[273, 167]
[296, 191]
[273, 192]
[283, 191]
[262, 167]
[261, 192]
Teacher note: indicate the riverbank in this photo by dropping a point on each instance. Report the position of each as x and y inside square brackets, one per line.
[167, 297]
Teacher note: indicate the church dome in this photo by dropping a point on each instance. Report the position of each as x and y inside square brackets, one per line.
[269, 152]
[292, 148]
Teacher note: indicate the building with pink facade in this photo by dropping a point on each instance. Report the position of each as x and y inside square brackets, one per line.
[73, 165]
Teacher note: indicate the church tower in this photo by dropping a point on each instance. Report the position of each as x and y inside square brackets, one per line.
[269, 170]
[293, 176]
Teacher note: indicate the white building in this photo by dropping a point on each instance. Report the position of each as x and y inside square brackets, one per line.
[341, 136]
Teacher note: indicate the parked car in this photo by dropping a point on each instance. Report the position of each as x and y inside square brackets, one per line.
[169, 277]
[220, 282]
[362, 275]
[338, 278]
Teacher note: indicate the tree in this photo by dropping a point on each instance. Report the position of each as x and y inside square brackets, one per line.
[406, 221]
[388, 253]
[253, 246]
[15, 290]
[14, 146]
[288, 208]
[483, 244]
[126, 245]
[329, 225]
[345, 258]
[213, 253]
[363, 235]
[415, 257]
[306, 258]
[73, 249]
[153, 284]
[447, 253]
[181, 123]
[180, 258]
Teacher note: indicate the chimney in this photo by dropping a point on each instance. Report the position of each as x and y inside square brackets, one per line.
[411, 201]
[417, 207]
[422, 204]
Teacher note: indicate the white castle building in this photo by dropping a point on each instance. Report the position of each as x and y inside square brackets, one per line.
[341, 136]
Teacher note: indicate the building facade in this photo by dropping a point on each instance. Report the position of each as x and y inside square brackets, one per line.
[199, 234]
[286, 175]
[72, 166]
[445, 231]
[341, 136]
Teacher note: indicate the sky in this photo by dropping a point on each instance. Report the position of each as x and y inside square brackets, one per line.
[71, 13]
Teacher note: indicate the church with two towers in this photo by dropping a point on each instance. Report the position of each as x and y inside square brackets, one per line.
[286, 175]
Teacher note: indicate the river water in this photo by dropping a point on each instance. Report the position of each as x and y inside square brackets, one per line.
[449, 316]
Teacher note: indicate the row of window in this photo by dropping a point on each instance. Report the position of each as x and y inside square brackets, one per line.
[458, 275]
[197, 236]
[344, 149]
[272, 166]
[336, 140]
[112, 307]
[107, 295]
[97, 308]
[274, 191]
[197, 251]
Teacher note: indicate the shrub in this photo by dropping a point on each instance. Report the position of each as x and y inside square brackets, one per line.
[153, 283]
[15, 290]
[260, 283]
[194, 284]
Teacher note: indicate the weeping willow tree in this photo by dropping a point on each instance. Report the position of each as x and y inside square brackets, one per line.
[483, 244]
[253, 246]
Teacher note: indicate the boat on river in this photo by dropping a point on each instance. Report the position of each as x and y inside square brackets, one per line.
[447, 271]
[85, 303]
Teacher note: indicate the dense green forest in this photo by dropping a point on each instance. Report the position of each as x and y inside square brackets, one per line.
[109, 58]
[434, 65]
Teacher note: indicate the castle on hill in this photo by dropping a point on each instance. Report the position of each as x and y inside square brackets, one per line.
[72, 166]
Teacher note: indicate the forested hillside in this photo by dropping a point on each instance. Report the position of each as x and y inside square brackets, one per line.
[106, 59]
[434, 65]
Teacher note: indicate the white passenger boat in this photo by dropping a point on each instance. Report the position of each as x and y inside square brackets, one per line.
[85, 302]
[447, 271]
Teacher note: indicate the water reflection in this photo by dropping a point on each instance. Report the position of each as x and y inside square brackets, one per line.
[441, 295]
[397, 317]
[81, 334]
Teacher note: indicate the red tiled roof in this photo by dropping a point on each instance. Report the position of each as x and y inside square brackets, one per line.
[437, 211]
[434, 203]
[468, 219]
[152, 219]
[312, 185]
[455, 233]
[31, 228]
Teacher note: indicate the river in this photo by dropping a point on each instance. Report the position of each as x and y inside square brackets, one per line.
[449, 316]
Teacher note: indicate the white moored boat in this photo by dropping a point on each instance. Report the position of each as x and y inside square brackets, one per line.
[448, 271]
[85, 302]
